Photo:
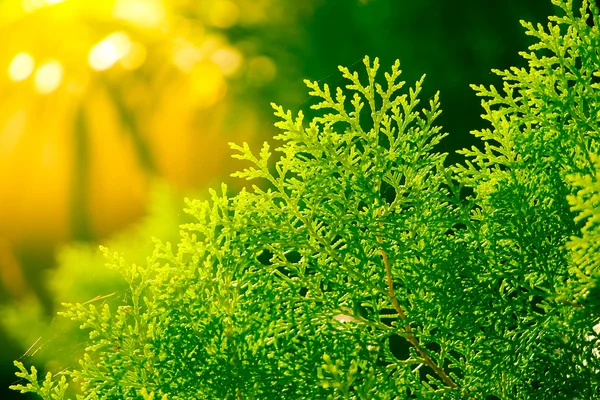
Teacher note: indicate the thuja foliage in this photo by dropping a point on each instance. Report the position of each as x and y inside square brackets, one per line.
[366, 268]
[80, 275]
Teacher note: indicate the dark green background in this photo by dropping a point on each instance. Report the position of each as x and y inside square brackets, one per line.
[455, 43]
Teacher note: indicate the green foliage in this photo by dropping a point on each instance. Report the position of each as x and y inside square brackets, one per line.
[81, 276]
[585, 249]
[367, 268]
[49, 389]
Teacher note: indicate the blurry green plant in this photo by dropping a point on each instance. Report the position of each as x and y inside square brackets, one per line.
[81, 276]
[369, 269]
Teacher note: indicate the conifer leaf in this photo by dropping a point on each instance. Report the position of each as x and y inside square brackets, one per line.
[357, 268]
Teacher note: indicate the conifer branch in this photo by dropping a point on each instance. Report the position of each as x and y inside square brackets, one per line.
[410, 337]
[522, 239]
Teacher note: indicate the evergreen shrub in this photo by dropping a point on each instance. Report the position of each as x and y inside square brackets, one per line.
[366, 268]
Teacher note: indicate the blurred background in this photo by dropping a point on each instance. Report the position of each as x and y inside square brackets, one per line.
[112, 111]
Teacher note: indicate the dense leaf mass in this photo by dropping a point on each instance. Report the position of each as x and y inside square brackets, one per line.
[363, 267]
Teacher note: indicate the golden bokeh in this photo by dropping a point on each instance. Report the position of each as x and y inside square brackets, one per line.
[21, 67]
[102, 96]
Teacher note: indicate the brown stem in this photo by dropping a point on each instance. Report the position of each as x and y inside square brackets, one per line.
[570, 303]
[410, 337]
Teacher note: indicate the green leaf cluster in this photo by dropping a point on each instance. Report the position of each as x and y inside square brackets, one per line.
[364, 267]
[81, 276]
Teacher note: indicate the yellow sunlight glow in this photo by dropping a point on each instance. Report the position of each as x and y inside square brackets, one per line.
[135, 57]
[145, 13]
[228, 60]
[48, 77]
[108, 51]
[186, 55]
[223, 14]
[21, 67]
[32, 5]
